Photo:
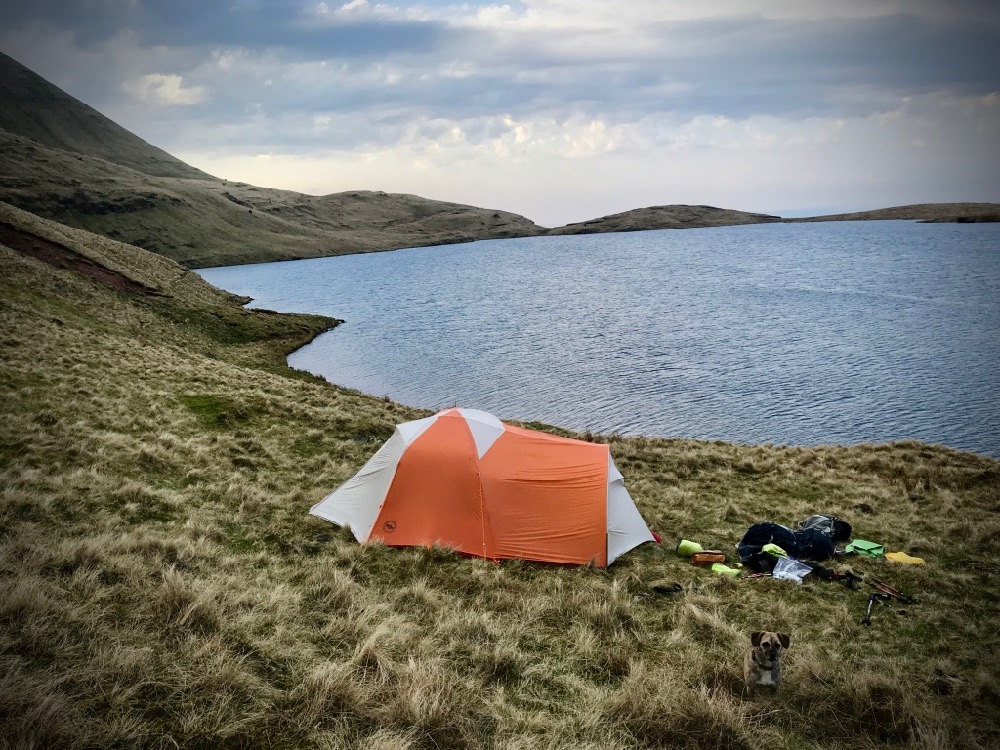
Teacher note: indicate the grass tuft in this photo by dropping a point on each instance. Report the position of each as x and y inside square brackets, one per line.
[655, 710]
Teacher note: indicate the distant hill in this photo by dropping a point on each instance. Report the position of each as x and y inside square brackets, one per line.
[926, 212]
[687, 217]
[666, 217]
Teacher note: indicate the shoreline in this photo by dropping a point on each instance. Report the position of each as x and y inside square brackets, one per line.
[597, 226]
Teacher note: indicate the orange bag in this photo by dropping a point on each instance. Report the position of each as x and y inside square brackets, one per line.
[708, 557]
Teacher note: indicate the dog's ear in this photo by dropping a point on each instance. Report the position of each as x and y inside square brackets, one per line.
[755, 639]
[784, 640]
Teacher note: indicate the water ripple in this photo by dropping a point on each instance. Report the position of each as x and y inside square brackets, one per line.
[800, 334]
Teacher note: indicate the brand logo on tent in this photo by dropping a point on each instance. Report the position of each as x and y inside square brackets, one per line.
[389, 526]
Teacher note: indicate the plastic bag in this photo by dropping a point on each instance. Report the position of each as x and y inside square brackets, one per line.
[790, 569]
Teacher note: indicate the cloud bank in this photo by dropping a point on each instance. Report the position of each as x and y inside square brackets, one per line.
[558, 110]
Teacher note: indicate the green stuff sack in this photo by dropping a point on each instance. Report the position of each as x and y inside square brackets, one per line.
[868, 549]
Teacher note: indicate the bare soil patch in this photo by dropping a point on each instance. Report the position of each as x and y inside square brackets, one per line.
[56, 255]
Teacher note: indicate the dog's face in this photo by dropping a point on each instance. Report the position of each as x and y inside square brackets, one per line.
[761, 667]
[769, 645]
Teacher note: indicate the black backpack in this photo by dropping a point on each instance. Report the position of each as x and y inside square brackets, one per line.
[805, 544]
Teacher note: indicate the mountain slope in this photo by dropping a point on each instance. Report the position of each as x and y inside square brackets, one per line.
[33, 108]
[63, 160]
[207, 222]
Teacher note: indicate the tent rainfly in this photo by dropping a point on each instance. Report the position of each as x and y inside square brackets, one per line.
[465, 480]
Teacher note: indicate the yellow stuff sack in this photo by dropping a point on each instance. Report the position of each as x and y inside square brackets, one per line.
[902, 557]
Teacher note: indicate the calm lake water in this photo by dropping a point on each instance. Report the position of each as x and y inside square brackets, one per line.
[803, 334]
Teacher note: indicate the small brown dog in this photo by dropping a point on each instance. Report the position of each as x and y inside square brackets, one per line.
[762, 666]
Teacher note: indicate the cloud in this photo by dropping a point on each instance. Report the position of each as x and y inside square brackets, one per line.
[164, 89]
[933, 147]
[302, 31]
[631, 58]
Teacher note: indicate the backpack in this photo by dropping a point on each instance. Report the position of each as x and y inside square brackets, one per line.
[839, 531]
[806, 544]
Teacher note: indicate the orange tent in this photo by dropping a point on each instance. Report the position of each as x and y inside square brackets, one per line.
[464, 479]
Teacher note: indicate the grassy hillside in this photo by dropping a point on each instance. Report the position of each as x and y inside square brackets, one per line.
[666, 217]
[161, 584]
[62, 159]
[210, 222]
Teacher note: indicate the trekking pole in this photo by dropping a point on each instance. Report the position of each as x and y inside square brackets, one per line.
[867, 619]
[872, 598]
[892, 592]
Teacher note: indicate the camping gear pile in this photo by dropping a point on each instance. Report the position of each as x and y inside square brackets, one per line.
[815, 539]
[771, 550]
[465, 480]
[712, 558]
[884, 593]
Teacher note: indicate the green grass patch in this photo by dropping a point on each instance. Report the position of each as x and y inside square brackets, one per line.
[216, 411]
[309, 446]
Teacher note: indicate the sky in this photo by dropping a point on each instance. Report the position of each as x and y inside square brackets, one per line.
[559, 110]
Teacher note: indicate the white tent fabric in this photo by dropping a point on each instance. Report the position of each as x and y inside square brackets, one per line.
[356, 503]
[626, 529]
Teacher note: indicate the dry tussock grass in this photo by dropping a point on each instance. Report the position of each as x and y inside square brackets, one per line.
[161, 584]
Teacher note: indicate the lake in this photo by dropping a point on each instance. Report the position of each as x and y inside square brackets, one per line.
[802, 334]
